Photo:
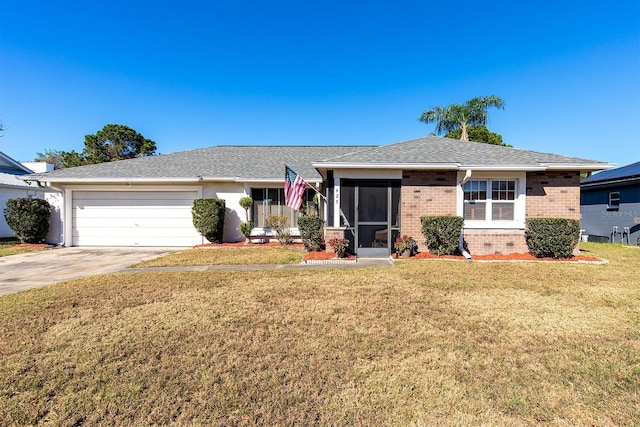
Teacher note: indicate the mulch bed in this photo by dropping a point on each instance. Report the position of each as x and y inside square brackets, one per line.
[429, 256]
[323, 255]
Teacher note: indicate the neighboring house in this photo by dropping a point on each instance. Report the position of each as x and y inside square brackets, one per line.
[610, 205]
[372, 193]
[12, 187]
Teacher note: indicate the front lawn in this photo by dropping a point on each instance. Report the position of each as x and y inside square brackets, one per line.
[12, 246]
[227, 256]
[422, 343]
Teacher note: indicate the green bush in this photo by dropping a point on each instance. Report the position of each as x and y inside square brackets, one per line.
[246, 228]
[279, 224]
[208, 218]
[311, 232]
[28, 218]
[442, 233]
[552, 237]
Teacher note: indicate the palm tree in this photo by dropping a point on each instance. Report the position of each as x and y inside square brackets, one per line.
[454, 116]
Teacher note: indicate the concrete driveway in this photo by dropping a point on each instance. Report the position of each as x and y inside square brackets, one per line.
[33, 269]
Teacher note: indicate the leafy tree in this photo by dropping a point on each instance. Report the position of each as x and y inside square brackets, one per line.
[50, 156]
[61, 159]
[116, 142]
[456, 116]
[111, 143]
[479, 133]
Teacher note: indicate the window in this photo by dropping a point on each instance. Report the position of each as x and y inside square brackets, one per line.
[475, 200]
[499, 204]
[503, 196]
[614, 200]
[270, 201]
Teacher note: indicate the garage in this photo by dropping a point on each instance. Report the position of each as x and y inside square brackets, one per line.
[133, 218]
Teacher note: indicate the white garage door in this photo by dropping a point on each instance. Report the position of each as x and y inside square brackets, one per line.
[134, 218]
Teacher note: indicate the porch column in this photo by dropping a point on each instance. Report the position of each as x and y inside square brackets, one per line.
[336, 202]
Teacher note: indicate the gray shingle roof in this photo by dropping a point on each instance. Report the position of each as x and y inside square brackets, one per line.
[220, 162]
[432, 150]
[11, 180]
[251, 163]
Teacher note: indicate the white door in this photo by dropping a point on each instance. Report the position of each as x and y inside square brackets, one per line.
[134, 218]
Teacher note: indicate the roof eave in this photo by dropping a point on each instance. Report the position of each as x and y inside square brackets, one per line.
[197, 179]
[586, 167]
[583, 167]
[275, 180]
[113, 180]
[413, 166]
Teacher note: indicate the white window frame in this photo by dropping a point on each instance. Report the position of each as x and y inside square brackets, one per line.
[519, 207]
[614, 196]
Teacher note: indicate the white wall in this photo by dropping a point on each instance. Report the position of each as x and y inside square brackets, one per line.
[38, 167]
[231, 193]
[56, 226]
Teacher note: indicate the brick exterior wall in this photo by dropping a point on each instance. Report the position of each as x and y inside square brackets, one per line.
[553, 195]
[425, 193]
[549, 194]
[485, 242]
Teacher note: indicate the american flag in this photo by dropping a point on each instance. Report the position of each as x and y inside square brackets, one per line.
[294, 187]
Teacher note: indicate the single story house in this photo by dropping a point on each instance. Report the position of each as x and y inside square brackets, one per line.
[372, 194]
[610, 205]
[12, 187]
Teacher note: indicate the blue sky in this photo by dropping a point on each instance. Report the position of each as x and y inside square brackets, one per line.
[195, 74]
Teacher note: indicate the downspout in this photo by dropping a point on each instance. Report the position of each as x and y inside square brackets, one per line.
[461, 248]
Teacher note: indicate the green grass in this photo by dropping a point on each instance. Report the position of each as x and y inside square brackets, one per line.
[227, 256]
[422, 343]
[7, 247]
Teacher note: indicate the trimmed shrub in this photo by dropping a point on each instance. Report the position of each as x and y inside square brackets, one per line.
[246, 203]
[246, 228]
[311, 232]
[28, 218]
[208, 218]
[552, 237]
[278, 223]
[442, 233]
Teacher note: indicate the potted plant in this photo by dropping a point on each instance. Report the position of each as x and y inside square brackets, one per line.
[339, 246]
[405, 246]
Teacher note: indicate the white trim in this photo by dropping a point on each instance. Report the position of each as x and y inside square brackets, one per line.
[15, 163]
[585, 167]
[336, 201]
[274, 181]
[499, 169]
[459, 166]
[520, 203]
[197, 188]
[400, 166]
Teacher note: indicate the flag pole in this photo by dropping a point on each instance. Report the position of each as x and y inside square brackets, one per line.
[311, 187]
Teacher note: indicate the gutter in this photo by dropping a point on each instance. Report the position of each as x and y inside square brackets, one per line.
[414, 166]
[458, 166]
[461, 248]
[195, 180]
